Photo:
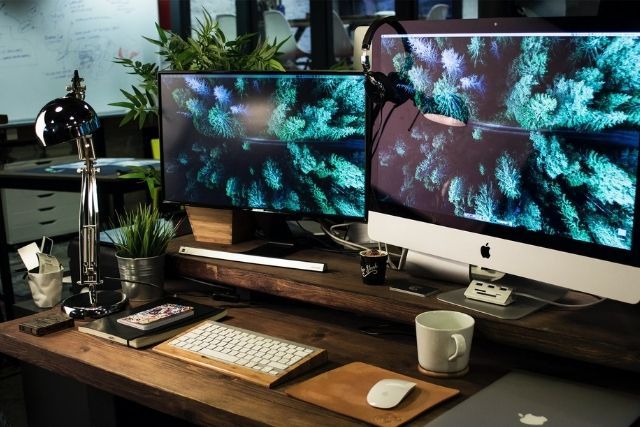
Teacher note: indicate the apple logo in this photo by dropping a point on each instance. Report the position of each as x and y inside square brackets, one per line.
[485, 250]
[532, 420]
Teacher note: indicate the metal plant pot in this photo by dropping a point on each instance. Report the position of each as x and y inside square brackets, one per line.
[146, 275]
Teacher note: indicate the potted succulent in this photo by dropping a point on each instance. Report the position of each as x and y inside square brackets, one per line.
[141, 238]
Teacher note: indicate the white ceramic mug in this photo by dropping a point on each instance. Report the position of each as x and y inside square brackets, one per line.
[444, 341]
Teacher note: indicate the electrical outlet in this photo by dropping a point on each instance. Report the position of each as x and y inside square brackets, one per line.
[489, 292]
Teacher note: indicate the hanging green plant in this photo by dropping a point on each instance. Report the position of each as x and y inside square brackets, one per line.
[208, 50]
[151, 176]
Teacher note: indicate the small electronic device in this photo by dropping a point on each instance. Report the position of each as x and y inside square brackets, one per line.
[47, 324]
[412, 288]
[489, 292]
[389, 392]
[46, 245]
[157, 316]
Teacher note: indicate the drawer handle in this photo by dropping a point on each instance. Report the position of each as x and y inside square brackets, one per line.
[42, 162]
[42, 196]
[46, 209]
[47, 222]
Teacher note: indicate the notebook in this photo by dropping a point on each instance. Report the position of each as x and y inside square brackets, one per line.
[109, 328]
[526, 399]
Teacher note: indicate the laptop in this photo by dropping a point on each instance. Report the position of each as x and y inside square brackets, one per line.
[525, 399]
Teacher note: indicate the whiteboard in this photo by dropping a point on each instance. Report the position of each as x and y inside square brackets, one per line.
[43, 41]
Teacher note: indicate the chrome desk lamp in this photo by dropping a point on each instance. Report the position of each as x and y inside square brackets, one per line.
[69, 119]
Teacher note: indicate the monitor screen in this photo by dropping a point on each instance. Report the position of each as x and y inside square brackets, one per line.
[283, 142]
[541, 182]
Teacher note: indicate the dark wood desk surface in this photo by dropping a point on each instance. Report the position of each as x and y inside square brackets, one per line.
[205, 397]
[330, 310]
[606, 334]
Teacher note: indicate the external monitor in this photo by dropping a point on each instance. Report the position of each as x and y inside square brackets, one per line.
[289, 143]
[542, 182]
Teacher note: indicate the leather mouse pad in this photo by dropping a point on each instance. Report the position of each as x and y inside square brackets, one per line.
[344, 390]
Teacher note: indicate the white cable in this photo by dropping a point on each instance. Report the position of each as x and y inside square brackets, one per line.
[329, 232]
[559, 304]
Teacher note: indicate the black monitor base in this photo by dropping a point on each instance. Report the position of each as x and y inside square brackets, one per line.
[273, 249]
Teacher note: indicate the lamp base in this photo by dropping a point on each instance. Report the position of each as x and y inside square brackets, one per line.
[78, 306]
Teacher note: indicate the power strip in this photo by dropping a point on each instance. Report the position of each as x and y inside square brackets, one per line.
[254, 259]
[489, 292]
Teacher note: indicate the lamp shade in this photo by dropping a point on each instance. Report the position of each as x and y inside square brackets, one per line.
[65, 119]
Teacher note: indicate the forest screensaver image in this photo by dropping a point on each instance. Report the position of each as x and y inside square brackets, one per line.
[551, 141]
[284, 142]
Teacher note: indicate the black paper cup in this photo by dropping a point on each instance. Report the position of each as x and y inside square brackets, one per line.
[373, 266]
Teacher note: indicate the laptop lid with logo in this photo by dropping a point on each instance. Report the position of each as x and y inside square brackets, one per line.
[526, 399]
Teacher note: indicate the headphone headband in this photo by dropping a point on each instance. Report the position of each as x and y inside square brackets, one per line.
[368, 38]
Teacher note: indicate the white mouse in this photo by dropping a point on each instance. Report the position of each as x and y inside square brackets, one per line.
[389, 392]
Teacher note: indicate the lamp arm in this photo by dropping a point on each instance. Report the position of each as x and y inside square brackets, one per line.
[89, 227]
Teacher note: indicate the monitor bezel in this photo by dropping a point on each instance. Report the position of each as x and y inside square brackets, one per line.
[290, 215]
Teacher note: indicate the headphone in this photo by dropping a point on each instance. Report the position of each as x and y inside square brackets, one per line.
[379, 86]
[383, 88]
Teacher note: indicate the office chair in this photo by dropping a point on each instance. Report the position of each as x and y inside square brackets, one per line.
[227, 24]
[438, 11]
[277, 29]
[358, 37]
[342, 46]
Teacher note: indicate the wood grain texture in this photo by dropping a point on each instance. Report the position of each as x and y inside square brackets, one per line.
[194, 393]
[605, 334]
[219, 225]
[205, 397]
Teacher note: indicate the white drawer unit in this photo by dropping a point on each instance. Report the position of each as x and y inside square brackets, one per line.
[31, 214]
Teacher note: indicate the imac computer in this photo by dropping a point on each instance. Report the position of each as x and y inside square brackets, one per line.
[288, 143]
[538, 176]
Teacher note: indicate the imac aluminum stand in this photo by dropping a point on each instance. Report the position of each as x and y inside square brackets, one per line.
[419, 264]
[520, 307]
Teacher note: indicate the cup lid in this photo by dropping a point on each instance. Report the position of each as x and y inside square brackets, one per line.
[373, 253]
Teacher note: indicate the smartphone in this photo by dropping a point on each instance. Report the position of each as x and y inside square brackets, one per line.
[412, 288]
[46, 246]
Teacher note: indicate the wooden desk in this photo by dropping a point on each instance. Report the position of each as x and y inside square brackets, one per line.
[327, 310]
[606, 334]
[204, 397]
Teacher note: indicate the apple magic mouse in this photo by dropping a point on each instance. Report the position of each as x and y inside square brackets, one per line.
[389, 392]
